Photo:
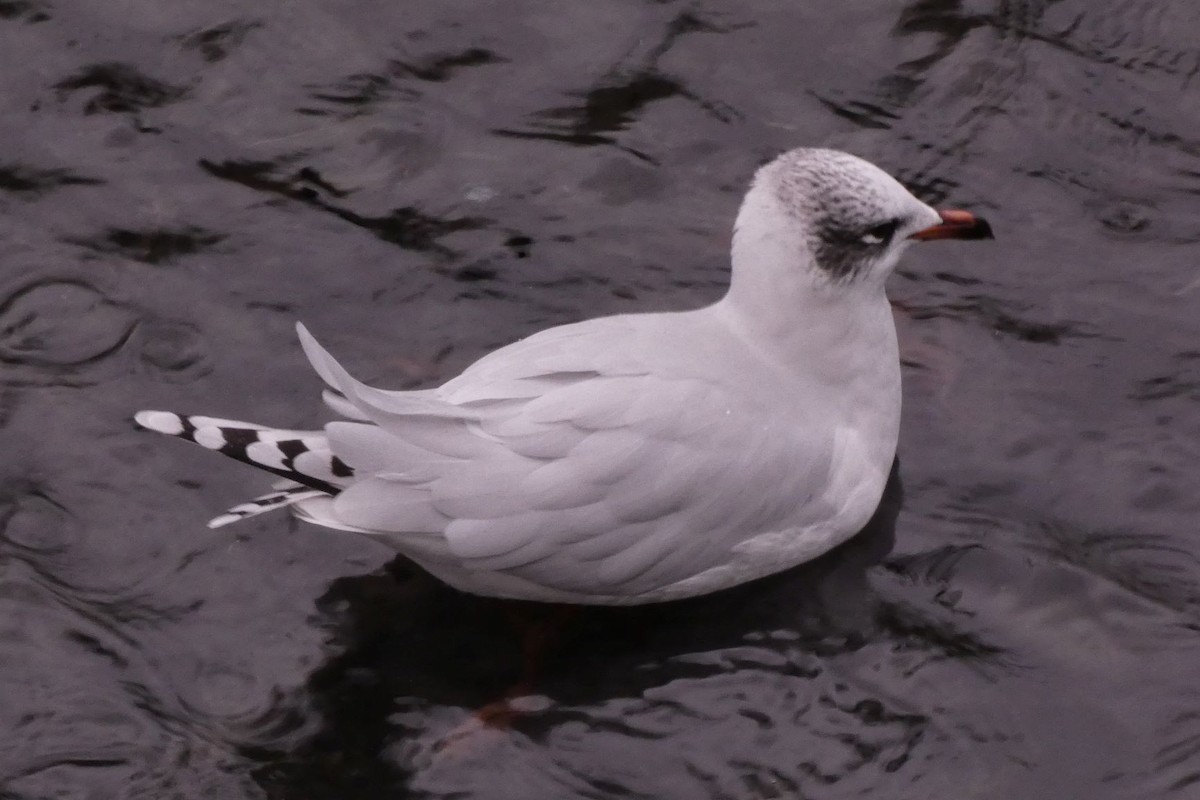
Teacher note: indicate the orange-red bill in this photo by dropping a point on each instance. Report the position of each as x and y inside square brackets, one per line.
[956, 224]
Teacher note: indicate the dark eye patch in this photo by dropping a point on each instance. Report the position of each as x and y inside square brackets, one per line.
[842, 251]
[880, 235]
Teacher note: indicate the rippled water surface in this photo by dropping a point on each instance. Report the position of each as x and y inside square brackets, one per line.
[423, 181]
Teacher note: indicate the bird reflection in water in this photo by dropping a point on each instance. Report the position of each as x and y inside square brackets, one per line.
[412, 653]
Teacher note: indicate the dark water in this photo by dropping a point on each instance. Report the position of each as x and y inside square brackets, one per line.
[423, 181]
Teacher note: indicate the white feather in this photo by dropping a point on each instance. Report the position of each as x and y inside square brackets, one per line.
[642, 457]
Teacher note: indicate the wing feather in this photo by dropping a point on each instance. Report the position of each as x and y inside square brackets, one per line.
[569, 461]
[378, 404]
[377, 504]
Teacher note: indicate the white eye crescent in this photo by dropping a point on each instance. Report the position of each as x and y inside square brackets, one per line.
[880, 234]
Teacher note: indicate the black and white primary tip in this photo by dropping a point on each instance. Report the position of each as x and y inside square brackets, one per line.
[300, 456]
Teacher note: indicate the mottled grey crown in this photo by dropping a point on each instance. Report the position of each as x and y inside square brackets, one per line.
[842, 204]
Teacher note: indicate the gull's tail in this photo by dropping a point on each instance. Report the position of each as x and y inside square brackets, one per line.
[302, 457]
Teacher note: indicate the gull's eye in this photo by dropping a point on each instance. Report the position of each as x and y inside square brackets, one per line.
[880, 234]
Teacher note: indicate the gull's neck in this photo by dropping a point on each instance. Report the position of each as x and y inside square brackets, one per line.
[834, 344]
[835, 340]
[779, 301]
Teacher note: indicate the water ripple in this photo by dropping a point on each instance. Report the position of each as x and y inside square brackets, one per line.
[999, 316]
[31, 520]
[61, 323]
[120, 88]
[618, 99]
[1177, 763]
[152, 246]
[28, 11]
[1150, 566]
[439, 68]
[215, 43]
[407, 227]
[31, 182]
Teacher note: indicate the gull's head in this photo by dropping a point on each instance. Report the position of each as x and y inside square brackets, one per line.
[831, 219]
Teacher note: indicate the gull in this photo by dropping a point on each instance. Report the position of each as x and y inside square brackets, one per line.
[637, 458]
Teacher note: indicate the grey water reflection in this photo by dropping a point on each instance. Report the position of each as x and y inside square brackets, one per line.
[733, 674]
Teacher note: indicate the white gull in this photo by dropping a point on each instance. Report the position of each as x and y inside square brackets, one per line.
[637, 458]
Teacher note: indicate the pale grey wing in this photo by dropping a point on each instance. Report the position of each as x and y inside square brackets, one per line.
[564, 461]
[608, 346]
[632, 483]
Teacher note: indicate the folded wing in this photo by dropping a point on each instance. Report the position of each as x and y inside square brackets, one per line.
[567, 461]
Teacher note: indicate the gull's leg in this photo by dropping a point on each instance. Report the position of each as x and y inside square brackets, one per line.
[536, 626]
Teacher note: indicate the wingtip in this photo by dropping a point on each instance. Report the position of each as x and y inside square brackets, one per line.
[312, 348]
[159, 422]
[322, 362]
